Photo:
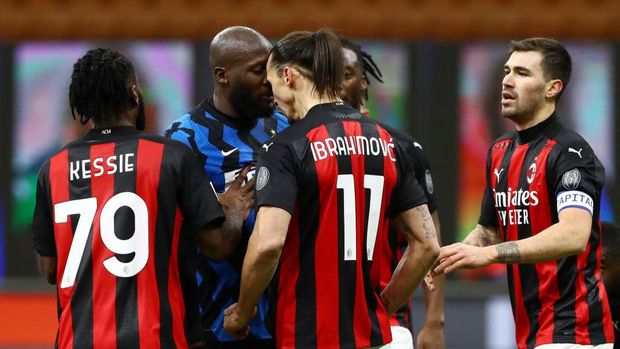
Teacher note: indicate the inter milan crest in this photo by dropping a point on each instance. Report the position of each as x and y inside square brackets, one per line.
[531, 173]
[262, 178]
[571, 179]
[429, 181]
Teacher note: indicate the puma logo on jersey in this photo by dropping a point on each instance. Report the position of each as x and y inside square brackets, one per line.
[226, 153]
[417, 145]
[498, 173]
[571, 150]
[266, 146]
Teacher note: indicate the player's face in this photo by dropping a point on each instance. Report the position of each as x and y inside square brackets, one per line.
[523, 87]
[354, 84]
[282, 93]
[250, 93]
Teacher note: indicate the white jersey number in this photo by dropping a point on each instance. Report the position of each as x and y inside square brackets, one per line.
[138, 243]
[346, 182]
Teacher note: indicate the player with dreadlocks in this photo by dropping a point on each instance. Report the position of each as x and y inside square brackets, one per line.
[355, 85]
[115, 211]
[358, 65]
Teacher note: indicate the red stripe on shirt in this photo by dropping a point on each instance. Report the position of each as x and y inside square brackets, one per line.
[148, 169]
[287, 282]
[361, 321]
[522, 322]
[608, 326]
[582, 334]
[177, 303]
[389, 181]
[497, 154]
[326, 252]
[540, 219]
[63, 235]
[104, 282]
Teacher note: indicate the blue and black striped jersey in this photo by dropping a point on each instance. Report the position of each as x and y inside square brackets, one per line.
[225, 145]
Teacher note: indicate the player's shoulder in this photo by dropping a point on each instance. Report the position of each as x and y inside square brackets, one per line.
[188, 123]
[509, 136]
[571, 148]
[170, 145]
[567, 138]
[401, 137]
[395, 133]
[279, 116]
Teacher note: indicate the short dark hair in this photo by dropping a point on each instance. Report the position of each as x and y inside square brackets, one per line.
[610, 234]
[318, 55]
[100, 85]
[556, 62]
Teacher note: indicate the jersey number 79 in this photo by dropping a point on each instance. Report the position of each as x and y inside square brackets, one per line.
[138, 243]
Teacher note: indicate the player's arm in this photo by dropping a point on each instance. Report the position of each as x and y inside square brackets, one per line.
[482, 236]
[43, 228]
[566, 238]
[48, 268]
[217, 233]
[416, 224]
[432, 335]
[260, 263]
[218, 240]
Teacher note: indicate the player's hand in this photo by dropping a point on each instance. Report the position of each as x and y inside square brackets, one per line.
[238, 200]
[460, 255]
[235, 323]
[431, 337]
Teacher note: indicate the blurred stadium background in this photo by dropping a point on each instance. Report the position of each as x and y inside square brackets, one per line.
[442, 65]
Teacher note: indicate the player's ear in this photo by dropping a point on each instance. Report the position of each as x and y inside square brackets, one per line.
[364, 84]
[221, 75]
[554, 87]
[135, 93]
[288, 74]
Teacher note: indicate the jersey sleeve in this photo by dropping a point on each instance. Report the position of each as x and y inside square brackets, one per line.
[197, 199]
[488, 214]
[578, 177]
[276, 179]
[423, 174]
[42, 223]
[407, 193]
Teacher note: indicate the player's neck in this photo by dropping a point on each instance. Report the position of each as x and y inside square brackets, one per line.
[223, 105]
[128, 118]
[307, 99]
[538, 116]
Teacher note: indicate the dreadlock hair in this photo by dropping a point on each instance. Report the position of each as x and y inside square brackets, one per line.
[368, 64]
[100, 84]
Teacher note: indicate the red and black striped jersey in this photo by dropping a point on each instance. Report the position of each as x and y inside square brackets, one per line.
[532, 175]
[341, 176]
[111, 207]
[398, 243]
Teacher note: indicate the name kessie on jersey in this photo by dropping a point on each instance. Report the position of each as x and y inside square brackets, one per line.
[100, 166]
[352, 145]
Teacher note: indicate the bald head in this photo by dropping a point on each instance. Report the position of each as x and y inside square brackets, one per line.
[234, 43]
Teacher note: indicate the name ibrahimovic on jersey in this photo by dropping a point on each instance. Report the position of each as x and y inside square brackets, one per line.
[352, 145]
[113, 164]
